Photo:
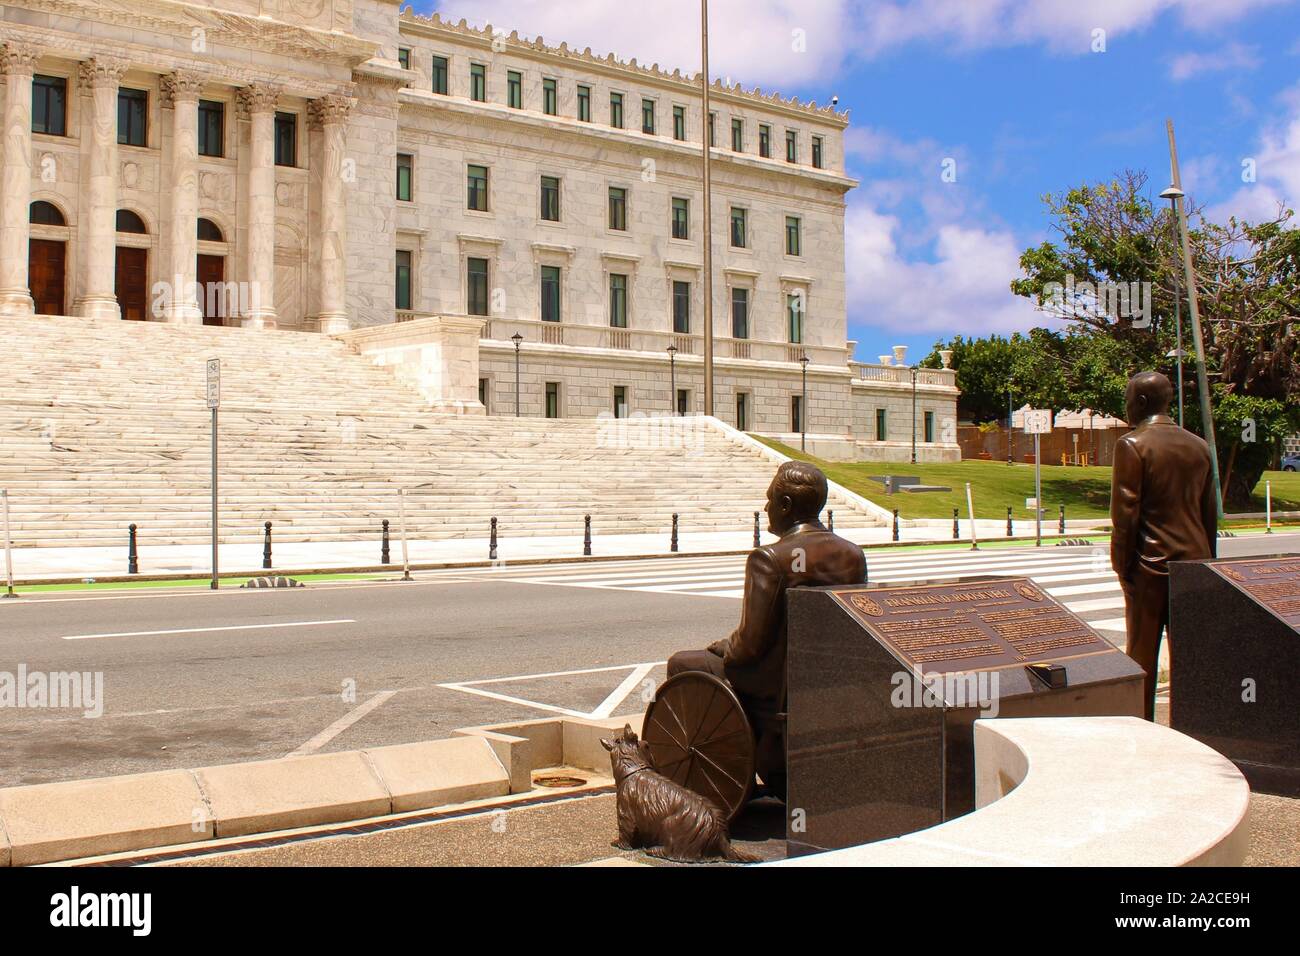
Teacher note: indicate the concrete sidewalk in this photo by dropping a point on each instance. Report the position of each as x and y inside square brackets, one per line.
[31, 565]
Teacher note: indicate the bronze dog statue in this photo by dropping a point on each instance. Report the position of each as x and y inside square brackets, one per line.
[671, 822]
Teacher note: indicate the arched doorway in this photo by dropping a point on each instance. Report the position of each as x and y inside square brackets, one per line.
[131, 281]
[210, 272]
[47, 258]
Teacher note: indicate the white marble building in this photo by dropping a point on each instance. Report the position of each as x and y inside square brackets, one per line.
[429, 191]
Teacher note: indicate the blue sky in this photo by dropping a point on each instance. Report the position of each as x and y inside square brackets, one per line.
[1018, 92]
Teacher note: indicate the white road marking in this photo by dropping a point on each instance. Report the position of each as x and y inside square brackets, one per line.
[208, 630]
[617, 695]
[340, 725]
[1110, 624]
[1101, 604]
[612, 701]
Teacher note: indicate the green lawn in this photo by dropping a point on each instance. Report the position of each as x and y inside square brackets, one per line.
[995, 485]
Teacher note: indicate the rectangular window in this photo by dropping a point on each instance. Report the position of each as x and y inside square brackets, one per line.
[880, 424]
[929, 427]
[403, 298]
[286, 139]
[765, 141]
[742, 411]
[818, 161]
[713, 139]
[584, 104]
[791, 146]
[551, 198]
[550, 293]
[478, 82]
[737, 135]
[620, 401]
[405, 164]
[647, 116]
[514, 90]
[483, 384]
[740, 313]
[439, 74]
[477, 181]
[212, 128]
[683, 401]
[132, 117]
[617, 301]
[476, 286]
[793, 236]
[679, 122]
[617, 208]
[796, 413]
[616, 110]
[50, 105]
[738, 222]
[681, 218]
[794, 316]
[552, 399]
[682, 308]
[404, 57]
[550, 97]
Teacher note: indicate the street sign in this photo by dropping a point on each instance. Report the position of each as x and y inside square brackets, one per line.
[1038, 421]
[214, 383]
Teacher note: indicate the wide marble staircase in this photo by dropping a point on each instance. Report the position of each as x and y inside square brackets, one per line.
[103, 424]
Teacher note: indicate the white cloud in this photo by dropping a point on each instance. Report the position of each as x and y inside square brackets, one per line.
[1277, 170]
[1235, 56]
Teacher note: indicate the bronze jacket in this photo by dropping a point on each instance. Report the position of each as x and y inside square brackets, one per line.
[806, 555]
[1162, 504]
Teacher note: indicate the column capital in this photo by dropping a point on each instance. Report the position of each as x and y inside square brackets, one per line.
[102, 71]
[19, 59]
[258, 98]
[183, 86]
[330, 108]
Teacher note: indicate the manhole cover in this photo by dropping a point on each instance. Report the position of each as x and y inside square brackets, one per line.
[559, 781]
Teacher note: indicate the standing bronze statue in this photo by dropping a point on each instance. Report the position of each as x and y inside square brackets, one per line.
[1162, 509]
[752, 659]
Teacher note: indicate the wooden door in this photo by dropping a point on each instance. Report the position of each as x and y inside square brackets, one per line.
[211, 274]
[132, 283]
[46, 260]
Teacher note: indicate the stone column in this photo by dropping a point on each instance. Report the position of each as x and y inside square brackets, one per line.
[180, 92]
[101, 77]
[259, 101]
[18, 62]
[331, 112]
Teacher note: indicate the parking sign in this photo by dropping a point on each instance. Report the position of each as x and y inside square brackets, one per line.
[1038, 421]
[214, 383]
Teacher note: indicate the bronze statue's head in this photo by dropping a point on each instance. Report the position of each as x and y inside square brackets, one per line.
[797, 494]
[1148, 393]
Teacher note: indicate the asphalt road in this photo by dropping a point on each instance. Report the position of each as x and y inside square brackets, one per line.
[199, 678]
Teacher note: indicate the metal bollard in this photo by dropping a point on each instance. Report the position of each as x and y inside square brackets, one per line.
[385, 552]
[132, 555]
[830, 521]
[1061, 529]
[895, 524]
[1009, 533]
[955, 534]
[492, 542]
[757, 541]
[266, 547]
[586, 535]
[672, 546]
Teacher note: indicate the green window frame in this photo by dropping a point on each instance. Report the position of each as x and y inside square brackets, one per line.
[552, 399]
[404, 57]
[929, 427]
[681, 307]
[50, 105]
[791, 146]
[679, 123]
[132, 117]
[550, 96]
[514, 89]
[405, 176]
[438, 75]
[550, 294]
[477, 188]
[681, 218]
[737, 135]
[881, 424]
[584, 104]
[550, 186]
[739, 313]
[402, 295]
[616, 110]
[765, 141]
[478, 82]
[212, 128]
[793, 236]
[476, 286]
[618, 208]
[286, 139]
[739, 224]
[617, 300]
[647, 115]
[794, 315]
[818, 160]
[713, 139]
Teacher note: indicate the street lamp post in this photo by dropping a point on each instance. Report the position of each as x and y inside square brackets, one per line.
[517, 339]
[672, 379]
[1173, 194]
[1011, 414]
[803, 405]
[913, 414]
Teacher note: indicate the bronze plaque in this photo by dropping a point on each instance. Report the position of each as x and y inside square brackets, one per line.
[939, 628]
[1272, 582]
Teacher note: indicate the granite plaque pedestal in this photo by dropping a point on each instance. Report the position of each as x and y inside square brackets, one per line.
[1235, 663]
[884, 685]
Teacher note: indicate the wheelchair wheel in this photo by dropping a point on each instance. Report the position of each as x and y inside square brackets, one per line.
[696, 734]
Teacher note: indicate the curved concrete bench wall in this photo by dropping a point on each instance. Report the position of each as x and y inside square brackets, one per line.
[1081, 791]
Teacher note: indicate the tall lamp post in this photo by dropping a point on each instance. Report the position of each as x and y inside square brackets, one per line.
[803, 405]
[1173, 194]
[1011, 415]
[672, 379]
[708, 210]
[517, 339]
[913, 370]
